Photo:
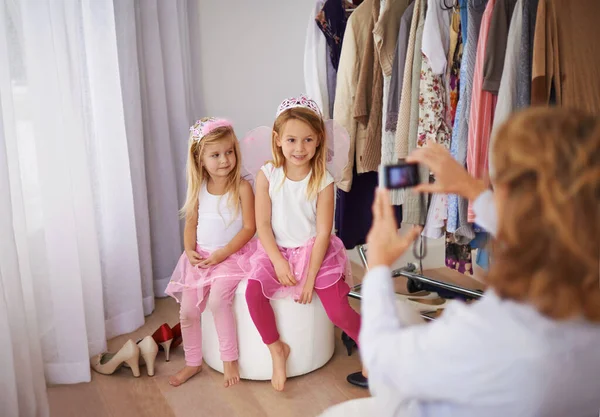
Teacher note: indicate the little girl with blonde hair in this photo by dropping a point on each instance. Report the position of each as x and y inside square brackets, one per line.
[297, 254]
[219, 226]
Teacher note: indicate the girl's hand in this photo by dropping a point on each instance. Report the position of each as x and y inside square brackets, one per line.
[193, 256]
[307, 292]
[384, 243]
[284, 273]
[215, 258]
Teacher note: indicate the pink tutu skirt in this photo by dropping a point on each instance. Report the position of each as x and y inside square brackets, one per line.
[193, 278]
[335, 266]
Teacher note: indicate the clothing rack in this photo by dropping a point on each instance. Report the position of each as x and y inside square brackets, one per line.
[409, 271]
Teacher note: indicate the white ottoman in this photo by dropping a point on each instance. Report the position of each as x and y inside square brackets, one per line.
[306, 328]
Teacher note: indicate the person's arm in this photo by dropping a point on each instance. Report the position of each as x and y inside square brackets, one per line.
[450, 176]
[407, 360]
[244, 235]
[189, 236]
[248, 220]
[265, 231]
[325, 200]
[404, 361]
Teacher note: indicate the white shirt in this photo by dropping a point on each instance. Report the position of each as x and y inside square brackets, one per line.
[484, 208]
[491, 358]
[293, 215]
[315, 62]
[216, 222]
[436, 36]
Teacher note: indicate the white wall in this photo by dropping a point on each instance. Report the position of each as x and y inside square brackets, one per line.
[250, 58]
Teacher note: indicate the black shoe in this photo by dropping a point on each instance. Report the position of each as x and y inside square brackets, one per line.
[358, 379]
[348, 342]
[414, 286]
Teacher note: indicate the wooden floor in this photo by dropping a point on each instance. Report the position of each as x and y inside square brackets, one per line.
[122, 395]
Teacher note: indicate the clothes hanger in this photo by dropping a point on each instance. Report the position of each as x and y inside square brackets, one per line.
[454, 5]
[349, 7]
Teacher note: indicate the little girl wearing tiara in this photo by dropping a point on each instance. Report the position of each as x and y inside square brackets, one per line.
[219, 226]
[297, 254]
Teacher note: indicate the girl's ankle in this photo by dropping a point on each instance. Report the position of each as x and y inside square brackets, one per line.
[275, 345]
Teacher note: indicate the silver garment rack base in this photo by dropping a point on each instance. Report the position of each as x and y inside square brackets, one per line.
[409, 271]
[443, 285]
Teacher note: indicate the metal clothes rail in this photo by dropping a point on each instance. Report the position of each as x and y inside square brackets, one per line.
[409, 271]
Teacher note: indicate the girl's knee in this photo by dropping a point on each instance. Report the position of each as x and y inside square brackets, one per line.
[336, 317]
[253, 292]
[340, 312]
[347, 321]
[219, 302]
[188, 313]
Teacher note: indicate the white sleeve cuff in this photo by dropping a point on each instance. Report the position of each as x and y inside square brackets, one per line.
[486, 214]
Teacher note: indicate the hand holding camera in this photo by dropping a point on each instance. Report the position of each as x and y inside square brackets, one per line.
[398, 176]
[450, 176]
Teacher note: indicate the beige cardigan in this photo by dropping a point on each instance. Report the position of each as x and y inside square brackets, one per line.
[355, 40]
[368, 102]
[403, 125]
[386, 33]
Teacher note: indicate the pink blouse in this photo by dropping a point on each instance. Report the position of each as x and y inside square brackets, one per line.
[483, 106]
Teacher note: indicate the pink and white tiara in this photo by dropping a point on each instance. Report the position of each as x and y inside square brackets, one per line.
[302, 101]
[203, 127]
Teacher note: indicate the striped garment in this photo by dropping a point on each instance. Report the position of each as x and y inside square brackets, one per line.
[483, 105]
[458, 206]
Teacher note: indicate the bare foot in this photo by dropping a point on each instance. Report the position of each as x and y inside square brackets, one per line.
[364, 372]
[279, 353]
[186, 373]
[231, 372]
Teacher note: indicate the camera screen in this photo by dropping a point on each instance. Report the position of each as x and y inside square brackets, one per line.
[402, 176]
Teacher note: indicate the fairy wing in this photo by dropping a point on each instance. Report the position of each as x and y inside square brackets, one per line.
[256, 150]
[338, 147]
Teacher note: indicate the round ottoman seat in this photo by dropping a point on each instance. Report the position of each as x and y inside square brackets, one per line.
[305, 328]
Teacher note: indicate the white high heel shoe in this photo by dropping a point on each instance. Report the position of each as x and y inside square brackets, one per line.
[148, 350]
[107, 363]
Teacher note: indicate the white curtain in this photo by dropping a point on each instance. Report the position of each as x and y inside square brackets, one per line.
[153, 42]
[96, 97]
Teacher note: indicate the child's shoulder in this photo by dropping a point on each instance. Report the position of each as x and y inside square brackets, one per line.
[327, 180]
[268, 166]
[270, 170]
[245, 185]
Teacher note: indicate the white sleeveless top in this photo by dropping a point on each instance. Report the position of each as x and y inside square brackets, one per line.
[293, 216]
[216, 222]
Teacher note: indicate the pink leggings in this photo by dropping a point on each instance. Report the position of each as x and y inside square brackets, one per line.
[219, 297]
[333, 298]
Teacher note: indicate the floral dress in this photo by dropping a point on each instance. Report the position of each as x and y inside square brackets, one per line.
[432, 108]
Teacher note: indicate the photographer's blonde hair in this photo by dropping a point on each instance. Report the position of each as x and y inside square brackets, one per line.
[319, 162]
[548, 250]
[196, 174]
